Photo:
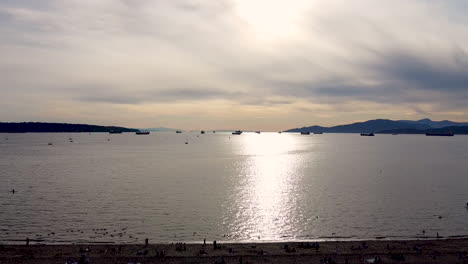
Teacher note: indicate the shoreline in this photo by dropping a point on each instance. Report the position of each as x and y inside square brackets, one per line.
[357, 251]
[36, 241]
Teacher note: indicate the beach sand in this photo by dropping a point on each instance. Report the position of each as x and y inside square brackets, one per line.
[380, 251]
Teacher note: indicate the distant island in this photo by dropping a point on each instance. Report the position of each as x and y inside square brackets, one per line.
[386, 126]
[160, 129]
[36, 127]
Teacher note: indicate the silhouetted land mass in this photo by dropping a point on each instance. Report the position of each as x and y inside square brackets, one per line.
[390, 126]
[436, 124]
[367, 126]
[58, 127]
[460, 130]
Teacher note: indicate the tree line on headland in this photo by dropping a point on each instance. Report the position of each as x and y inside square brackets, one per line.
[39, 127]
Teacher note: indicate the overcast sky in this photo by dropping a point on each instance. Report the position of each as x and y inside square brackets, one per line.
[232, 64]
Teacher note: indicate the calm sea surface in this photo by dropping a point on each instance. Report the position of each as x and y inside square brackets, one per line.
[255, 187]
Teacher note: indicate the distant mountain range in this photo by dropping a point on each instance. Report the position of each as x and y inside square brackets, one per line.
[160, 129]
[58, 127]
[390, 126]
[435, 124]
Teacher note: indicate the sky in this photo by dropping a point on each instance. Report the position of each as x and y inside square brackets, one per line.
[232, 64]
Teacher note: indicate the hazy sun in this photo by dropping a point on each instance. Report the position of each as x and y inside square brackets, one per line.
[271, 19]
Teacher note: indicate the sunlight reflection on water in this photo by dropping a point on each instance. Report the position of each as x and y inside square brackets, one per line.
[267, 189]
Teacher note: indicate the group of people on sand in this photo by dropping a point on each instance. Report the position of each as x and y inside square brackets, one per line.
[362, 246]
[181, 246]
[308, 245]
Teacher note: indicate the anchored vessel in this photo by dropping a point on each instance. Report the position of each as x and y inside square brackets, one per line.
[238, 132]
[367, 134]
[305, 133]
[142, 132]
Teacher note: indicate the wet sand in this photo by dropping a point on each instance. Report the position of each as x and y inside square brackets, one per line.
[415, 251]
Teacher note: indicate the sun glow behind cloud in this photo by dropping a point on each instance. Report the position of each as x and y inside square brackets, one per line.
[272, 20]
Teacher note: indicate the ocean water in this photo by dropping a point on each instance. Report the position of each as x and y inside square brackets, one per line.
[123, 188]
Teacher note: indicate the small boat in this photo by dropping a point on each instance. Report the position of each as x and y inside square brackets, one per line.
[214, 131]
[142, 132]
[318, 133]
[305, 133]
[50, 144]
[394, 134]
[178, 131]
[238, 132]
[115, 132]
[279, 132]
[367, 134]
[258, 132]
[440, 134]
[202, 132]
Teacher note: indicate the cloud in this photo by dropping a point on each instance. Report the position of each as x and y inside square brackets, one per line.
[172, 95]
[283, 58]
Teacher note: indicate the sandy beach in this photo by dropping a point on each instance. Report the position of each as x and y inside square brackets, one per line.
[414, 251]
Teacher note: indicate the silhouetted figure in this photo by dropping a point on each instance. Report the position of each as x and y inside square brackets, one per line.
[202, 251]
[13, 191]
[27, 241]
[437, 235]
[83, 260]
[146, 242]
[204, 242]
